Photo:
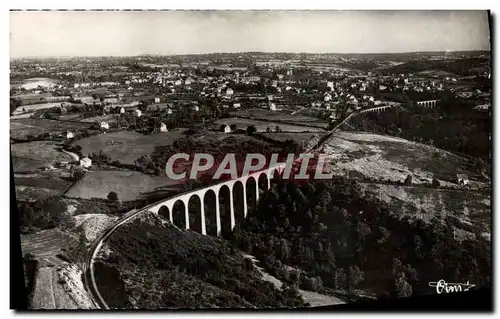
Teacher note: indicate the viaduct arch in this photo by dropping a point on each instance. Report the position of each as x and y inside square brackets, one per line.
[180, 209]
[429, 103]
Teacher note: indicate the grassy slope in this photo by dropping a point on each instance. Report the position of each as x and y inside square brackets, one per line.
[379, 156]
[159, 266]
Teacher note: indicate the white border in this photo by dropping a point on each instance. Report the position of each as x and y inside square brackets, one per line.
[200, 4]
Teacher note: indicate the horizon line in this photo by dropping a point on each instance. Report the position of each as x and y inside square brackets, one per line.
[243, 52]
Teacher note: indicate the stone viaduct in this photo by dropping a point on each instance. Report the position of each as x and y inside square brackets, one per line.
[429, 103]
[177, 208]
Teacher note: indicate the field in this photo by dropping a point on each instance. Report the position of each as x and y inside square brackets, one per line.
[32, 189]
[384, 157]
[45, 245]
[21, 128]
[69, 117]
[262, 126]
[31, 156]
[473, 209]
[35, 107]
[31, 194]
[129, 185]
[283, 116]
[299, 138]
[49, 292]
[107, 118]
[127, 146]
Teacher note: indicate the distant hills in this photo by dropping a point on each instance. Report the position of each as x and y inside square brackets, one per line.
[289, 56]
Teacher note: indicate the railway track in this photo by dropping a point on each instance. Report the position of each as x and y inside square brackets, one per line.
[90, 283]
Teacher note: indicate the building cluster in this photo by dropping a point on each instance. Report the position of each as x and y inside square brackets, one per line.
[144, 88]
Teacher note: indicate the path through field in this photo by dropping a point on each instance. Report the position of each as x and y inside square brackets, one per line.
[49, 292]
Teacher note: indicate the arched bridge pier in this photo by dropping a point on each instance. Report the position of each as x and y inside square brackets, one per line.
[206, 203]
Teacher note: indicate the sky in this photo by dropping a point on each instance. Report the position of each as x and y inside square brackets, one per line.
[115, 33]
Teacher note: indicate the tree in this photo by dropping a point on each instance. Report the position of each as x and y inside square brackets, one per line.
[251, 130]
[339, 279]
[435, 183]
[401, 286]
[112, 196]
[14, 104]
[354, 277]
[408, 180]
[157, 171]
[29, 257]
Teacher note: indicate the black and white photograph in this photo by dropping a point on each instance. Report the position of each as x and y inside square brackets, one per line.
[250, 159]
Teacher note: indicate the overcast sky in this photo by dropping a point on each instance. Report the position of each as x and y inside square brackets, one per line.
[177, 32]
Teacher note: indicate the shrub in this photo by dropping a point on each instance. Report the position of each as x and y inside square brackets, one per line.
[112, 196]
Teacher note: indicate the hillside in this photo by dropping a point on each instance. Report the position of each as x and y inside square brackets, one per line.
[344, 241]
[461, 66]
[150, 264]
[377, 157]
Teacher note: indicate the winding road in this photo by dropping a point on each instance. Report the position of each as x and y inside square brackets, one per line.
[89, 278]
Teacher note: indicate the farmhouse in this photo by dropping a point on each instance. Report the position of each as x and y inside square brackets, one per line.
[462, 179]
[163, 127]
[85, 162]
[137, 112]
[104, 125]
[69, 135]
[225, 128]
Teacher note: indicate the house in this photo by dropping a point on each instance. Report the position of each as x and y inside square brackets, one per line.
[327, 97]
[225, 128]
[104, 125]
[329, 84]
[157, 100]
[122, 110]
[236, 105]
[462, 179]
[138, 112]
[229, 92]
[272, 106]
[163, 127]
[196, 108]
[69, 135]
[482, 107]
[169, 111]
[85, 162]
